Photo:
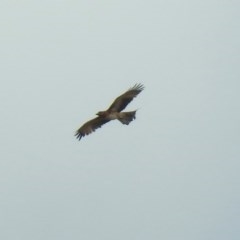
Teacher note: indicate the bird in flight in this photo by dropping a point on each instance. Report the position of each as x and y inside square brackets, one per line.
[112, 113]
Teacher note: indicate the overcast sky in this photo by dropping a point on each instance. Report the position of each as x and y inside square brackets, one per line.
[173, 173]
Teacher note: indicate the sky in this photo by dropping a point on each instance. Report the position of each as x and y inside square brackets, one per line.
[173, 173]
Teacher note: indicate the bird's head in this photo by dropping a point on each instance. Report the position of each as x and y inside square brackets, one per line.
[100, 114]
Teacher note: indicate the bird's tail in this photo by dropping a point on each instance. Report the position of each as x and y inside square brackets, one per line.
[126, 117]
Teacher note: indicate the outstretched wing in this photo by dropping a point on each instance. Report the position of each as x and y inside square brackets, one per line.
[90, 126]
[122, 101]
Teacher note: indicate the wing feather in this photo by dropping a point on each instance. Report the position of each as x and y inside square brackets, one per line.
[123, 100]
[90, 126]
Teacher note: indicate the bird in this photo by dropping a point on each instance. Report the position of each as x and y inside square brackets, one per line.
[112, 113]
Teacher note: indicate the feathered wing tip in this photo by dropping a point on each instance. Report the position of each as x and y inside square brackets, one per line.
[78, 135]
[138, 87]
[127, 117]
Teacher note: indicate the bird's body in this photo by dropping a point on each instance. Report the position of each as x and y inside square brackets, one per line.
[108, 114]
[112, 113]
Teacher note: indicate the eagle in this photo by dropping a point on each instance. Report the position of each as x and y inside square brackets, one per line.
[112, 113]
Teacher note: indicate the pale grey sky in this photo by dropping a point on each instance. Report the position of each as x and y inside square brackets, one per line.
[172, 174]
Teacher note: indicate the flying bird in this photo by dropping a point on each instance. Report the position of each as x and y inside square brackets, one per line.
[112, 113]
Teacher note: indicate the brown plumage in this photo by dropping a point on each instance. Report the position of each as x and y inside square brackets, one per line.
[112, 113]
